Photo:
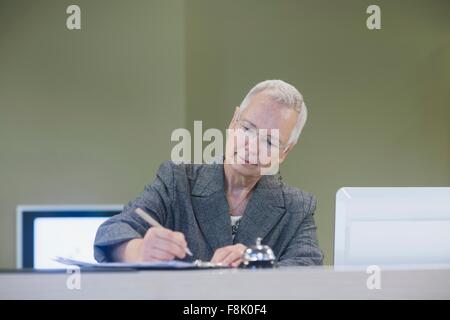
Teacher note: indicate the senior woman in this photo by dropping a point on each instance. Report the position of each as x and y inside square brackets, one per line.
[219, 209]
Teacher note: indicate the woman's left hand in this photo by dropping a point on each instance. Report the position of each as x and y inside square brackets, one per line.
[229, 255]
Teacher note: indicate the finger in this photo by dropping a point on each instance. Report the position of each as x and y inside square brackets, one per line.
[232, 257]
[214, 259]
[176, 238]
[180, 238]
[241, 247]
[159, 254]
[238, 251]
[170, 247]
[236, 263]
[220, 254]
[163, 233]
[149, 255]
[224, 256]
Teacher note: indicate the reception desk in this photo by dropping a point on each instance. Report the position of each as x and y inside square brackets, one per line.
[235, 284]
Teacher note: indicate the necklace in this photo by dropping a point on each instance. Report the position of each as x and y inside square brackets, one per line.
[235, 226]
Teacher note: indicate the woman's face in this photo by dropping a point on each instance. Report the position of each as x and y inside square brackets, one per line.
[252, 151]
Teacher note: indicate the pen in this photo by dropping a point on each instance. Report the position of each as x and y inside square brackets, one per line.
[144, 215]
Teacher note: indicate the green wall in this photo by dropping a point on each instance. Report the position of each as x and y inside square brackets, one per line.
[86, 116]
[378, 101]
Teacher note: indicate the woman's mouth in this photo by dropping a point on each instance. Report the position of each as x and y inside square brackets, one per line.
[245, 161]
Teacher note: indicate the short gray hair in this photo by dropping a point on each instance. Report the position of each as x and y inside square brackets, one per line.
[286, 94]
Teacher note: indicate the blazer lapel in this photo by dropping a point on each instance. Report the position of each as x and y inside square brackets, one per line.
[211, 206]
[265, 208]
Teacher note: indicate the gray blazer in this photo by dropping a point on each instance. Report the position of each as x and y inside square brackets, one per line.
[191, 199]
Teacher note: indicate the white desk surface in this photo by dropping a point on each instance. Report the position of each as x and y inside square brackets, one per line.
[282, 283]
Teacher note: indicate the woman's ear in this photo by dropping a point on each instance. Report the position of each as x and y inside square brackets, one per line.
[234, 119]
[284, 153]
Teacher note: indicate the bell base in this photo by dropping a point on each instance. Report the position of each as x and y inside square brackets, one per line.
[259, 264]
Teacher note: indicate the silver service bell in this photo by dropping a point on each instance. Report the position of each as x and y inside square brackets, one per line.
[258, 256]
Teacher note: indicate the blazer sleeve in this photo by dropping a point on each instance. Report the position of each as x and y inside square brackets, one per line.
[157, 199]
[303, 249]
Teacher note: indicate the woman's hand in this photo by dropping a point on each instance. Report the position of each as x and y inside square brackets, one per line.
[229, 255]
